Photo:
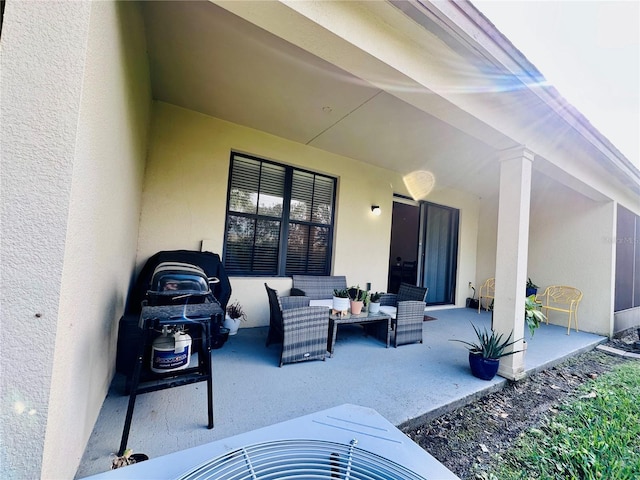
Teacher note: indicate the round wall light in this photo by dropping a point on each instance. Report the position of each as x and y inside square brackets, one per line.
[377, 211]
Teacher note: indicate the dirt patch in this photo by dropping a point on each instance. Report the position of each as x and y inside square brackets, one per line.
[469, 435]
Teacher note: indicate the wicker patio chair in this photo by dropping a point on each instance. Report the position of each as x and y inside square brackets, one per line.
[408, 322]
[407, 312]
[276, 305]
[318, 287]
[302, 330]
[306, 331]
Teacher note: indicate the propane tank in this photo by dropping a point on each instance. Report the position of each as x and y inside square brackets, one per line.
[170, 351]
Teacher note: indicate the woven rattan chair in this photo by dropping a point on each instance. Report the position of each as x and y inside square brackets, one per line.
[318, 287]
[408, 322]
[407, 312]
[276, 305]
[487, 291]
[302, 330]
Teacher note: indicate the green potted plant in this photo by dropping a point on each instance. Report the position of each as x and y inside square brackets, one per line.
[357, 297]
[374, 302]
[485, 354]
[341, 300]
[532, 288]
[532, 314]
[235, 314]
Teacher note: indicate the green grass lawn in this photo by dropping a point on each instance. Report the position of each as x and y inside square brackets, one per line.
[596, 436]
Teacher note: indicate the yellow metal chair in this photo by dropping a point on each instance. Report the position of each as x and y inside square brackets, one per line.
[489, 289]
[561, 298]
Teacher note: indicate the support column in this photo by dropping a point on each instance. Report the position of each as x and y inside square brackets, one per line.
[512, 251]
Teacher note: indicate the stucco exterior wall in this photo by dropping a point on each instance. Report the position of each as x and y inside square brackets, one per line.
[41, 85]
[72, 168]
[570, 244]
[487, 240]
[184, 198]
[185, 190]
[102, 230]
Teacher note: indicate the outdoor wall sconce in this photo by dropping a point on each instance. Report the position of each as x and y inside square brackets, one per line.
[377, 211]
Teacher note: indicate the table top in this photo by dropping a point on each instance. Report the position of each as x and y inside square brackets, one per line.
[361, 317]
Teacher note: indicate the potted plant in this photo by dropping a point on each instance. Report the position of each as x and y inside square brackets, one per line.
[340, 300]
[532, 288]
[357, 296]
[235, 314]
[128, 458]
[374, 302]
[532, 314]
[485, 354]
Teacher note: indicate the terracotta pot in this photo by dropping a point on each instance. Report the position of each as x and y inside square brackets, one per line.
[356, 307]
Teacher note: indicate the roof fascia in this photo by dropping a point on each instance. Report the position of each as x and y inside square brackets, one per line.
[465, 29]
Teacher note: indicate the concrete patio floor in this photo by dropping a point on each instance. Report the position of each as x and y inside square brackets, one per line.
[405, 385]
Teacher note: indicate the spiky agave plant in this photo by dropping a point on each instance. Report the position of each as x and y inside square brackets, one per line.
[490, 344]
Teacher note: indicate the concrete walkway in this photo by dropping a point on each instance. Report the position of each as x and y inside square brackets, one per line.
[405, 385]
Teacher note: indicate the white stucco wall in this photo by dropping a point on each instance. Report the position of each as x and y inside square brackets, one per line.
[41, 85]
[570, 244]
[487, 241]
[185, 192]
[102, 230]
[73, 150]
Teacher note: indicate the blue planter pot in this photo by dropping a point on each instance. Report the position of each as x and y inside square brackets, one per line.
[483, 368]
[531, 291]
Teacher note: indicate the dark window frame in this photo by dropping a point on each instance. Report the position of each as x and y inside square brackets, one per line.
[286, 221]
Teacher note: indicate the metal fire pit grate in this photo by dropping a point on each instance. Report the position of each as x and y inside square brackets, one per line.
[301, 459]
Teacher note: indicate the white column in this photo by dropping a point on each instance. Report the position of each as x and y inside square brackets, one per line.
[511, 255]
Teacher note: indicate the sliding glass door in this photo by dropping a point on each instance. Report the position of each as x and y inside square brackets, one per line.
[424, 248]
[440, 246]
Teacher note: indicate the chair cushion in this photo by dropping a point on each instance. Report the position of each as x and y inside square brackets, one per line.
[389, 310]
[321, 303]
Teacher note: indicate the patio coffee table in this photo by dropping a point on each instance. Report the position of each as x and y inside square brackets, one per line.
[349, 319]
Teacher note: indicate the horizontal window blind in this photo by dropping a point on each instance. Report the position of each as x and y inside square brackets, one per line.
[279, 219]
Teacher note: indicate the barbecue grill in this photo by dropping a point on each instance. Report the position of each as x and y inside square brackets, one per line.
[177, 283]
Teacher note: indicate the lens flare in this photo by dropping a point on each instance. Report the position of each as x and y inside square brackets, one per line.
[419, 183]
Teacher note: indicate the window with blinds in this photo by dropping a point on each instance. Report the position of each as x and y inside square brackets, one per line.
[279, 219]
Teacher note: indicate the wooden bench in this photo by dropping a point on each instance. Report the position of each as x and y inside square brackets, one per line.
[561, 298]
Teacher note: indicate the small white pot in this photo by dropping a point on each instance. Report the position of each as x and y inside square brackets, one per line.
[374, 307]
[232, 324]
[341, 304]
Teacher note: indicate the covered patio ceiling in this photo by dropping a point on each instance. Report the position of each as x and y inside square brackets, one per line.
[206, 59]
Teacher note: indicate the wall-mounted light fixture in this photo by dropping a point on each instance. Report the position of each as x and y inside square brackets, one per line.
[376, 210]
